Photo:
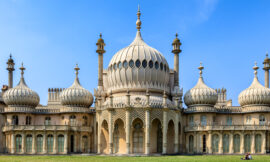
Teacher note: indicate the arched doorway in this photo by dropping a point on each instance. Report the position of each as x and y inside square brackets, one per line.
[104, 137]
[247, 142]
[137, 136]
[258, 143]
[190, 143]
[236, 143]
[156, 137]
[85, 144]
[204, 143]
[18, 143]
[170, 137]
[119, 137]
[215, 143]
[29, 143]
[60, 142]
[226, 144]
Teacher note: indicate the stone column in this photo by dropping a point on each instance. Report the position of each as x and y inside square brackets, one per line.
[263, 142]
[220, 150]
[195, 143]
[128, 131]
[75, 141]
[209, 142]
[252, 145]
[12, 150]
[65, 143]
[99, 132]
[23, 143]
[242, 149]
[231, 151]
[165, 128]
[176, 131]
[110, 127]
[147, 131]
[44, 143]
[55, 143]
[34, 145]
[187, 144]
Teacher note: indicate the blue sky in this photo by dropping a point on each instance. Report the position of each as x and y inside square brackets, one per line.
[50, 37]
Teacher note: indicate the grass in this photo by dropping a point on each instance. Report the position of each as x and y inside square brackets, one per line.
[84, 158]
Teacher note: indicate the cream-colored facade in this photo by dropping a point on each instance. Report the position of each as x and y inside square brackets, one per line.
[138, 109]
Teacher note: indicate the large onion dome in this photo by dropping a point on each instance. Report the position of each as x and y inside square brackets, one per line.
[21, 95]
[201, 94]
[137, 67]
[76, 95]
[255, 94]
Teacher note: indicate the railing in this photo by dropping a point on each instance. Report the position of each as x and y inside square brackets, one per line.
[47, 128]
[226, 127]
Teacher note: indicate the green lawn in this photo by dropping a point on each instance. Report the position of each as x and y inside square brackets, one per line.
[84, 158]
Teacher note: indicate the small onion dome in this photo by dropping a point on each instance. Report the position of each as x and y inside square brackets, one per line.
[21, 95]
[201, 94]
[255, 94]
[76, 95]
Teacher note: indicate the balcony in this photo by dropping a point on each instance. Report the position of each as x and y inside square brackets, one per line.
[226, 128]
[47, 128]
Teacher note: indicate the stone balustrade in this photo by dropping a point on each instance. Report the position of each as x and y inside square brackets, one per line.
[47, 128]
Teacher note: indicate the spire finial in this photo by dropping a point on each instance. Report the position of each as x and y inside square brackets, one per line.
[100, 35]
[22, 70]
[10, 56]
[267, 54]
[176, 34]
[138, 22]
[200, 68]
[255, 68]
[77, 70]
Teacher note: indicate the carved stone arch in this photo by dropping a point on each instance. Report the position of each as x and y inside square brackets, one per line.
[170, 136]
[156, 134]
[118, 120]
[133, 121]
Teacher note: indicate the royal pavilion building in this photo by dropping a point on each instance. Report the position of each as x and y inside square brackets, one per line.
[138, 107]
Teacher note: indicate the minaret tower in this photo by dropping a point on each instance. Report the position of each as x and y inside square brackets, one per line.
[176, 50]
[266, 68]
[100, 50]
[10, 68]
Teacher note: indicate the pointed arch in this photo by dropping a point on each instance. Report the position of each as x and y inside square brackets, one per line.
[119, 137]
[170, 137]
[104, 136]
[137, 136]
[156, 136]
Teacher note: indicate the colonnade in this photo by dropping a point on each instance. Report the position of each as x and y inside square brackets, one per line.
[238, 142]
[146, 131]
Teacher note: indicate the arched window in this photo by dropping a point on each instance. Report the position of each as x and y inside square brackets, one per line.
[119, 65]
[203, 120]
[15, 120]
[72, 120]
[60, 142]
[138, 63]
[116, 139]
[18, 143]
[191, 143]
[229, 120]
[248, 119]
[125, 64]
[159, 138]
[29, 143]
[85, 144]
[215, 143]
[85, 121]
[156, 65]
[236, 143]
[131, 63]
[191, 121]
[262, 119]
[144, 63]
[161, 66]
[225, 143]
[247, 143]
[39, 143]
[28, 120]
[151, 64]
[258, 143]
[115, 66]
[138, 138]
[165, 67]
[50, 143]
[47, 120]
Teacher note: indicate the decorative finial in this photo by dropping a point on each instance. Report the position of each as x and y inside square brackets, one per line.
[22, 70]
[200, 68]
[176, 35]
[100, 35]
[255, 68]
[138, 22]
[77, 70]
[267, 54]
[10, 56]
